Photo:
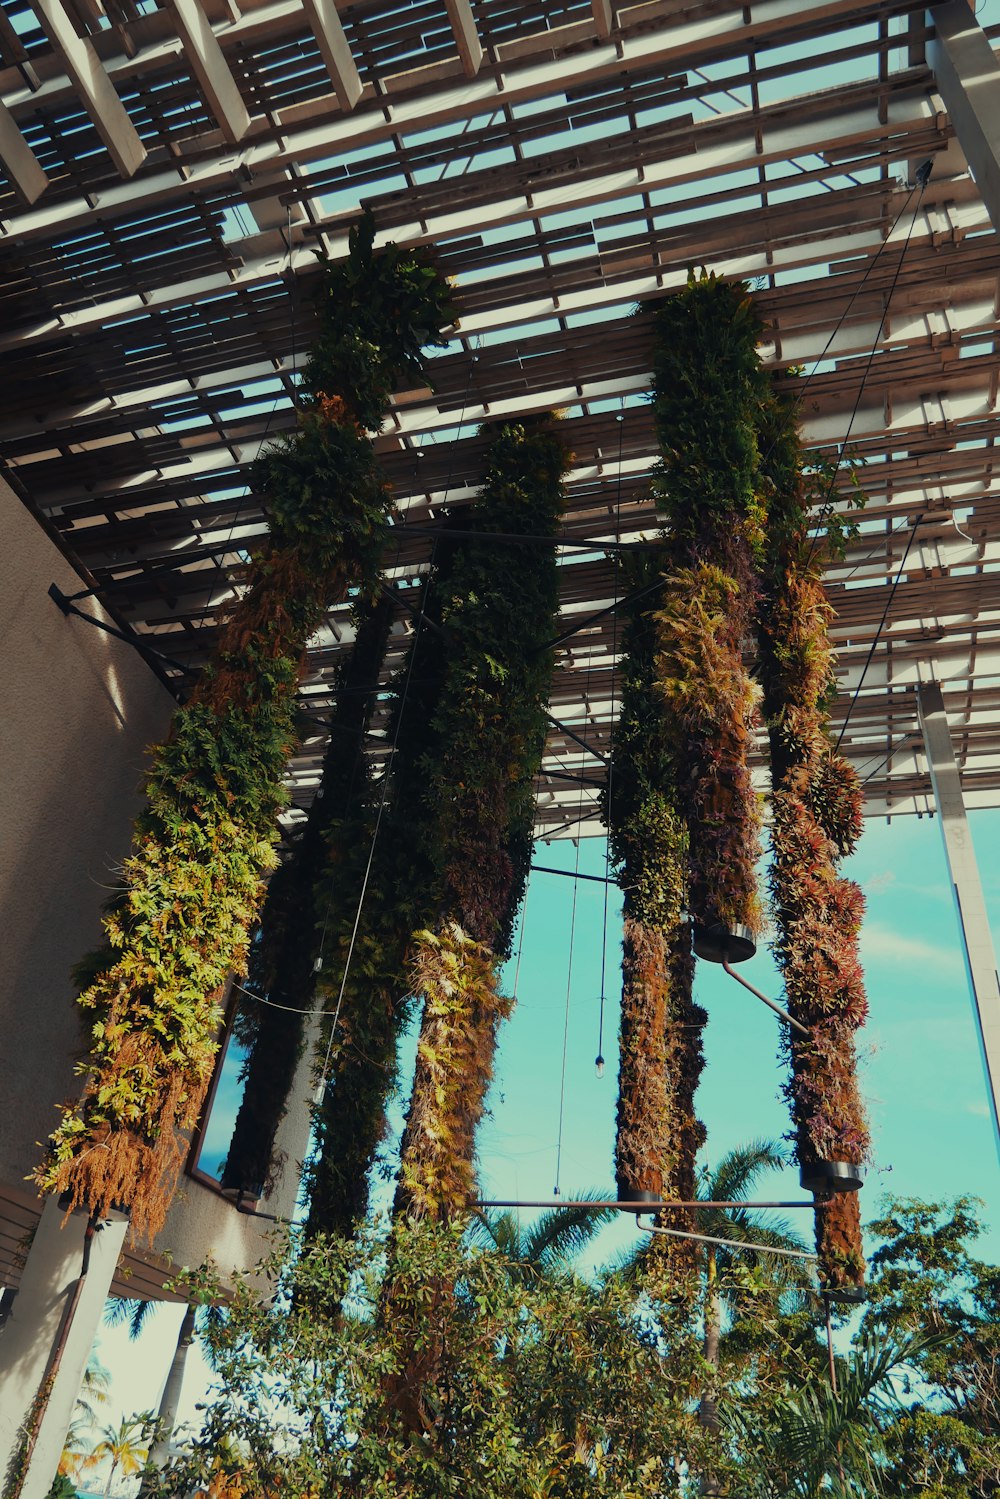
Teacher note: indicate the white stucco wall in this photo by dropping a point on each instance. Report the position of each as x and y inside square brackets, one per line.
[77, 712]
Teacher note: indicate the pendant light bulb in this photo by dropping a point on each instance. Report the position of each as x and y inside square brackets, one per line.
[599, 1065]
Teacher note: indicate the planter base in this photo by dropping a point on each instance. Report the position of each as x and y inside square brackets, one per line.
[721, 944]
[824, 1177]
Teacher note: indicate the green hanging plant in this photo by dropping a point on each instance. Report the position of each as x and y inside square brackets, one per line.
[817, 806]
[682, 816]
[489, 732]
[205, 843]
[371, 994]
[708, 390]
[283, 959]
[658, 1134]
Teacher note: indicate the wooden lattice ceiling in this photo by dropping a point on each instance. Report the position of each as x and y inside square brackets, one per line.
[569, 161]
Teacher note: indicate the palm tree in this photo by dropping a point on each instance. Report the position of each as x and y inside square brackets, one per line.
[95, 1391]
[734, 1180]
[127, 1445]
[132, 1310]
[825, 1442]
[546, 1246]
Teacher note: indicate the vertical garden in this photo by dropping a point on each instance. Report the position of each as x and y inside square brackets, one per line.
[396, 902]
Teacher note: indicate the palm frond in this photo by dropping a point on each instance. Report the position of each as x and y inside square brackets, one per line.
[561, 1233]
[737, 1173]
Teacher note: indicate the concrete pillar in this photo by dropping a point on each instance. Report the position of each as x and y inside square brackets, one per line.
[967, 888]
[47, 1341]
[171, 1397]
[968, 79]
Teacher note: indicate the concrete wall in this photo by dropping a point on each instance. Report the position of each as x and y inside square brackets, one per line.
[77, 712]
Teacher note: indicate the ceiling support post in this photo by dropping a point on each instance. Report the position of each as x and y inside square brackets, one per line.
[966, 885]
[968, 80]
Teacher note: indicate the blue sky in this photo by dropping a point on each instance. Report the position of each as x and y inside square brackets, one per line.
[921, 1067]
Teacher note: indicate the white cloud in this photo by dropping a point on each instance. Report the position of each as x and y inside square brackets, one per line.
[879, 943]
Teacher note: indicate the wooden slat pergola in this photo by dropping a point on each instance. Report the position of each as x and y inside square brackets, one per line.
[171, 169]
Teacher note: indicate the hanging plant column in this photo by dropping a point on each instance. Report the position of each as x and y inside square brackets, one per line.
[708, 388]
[817, 808]
[490, 732]
[660, 1038]
[369, 988]
[684, 822]
[284, 956]
[194, 879]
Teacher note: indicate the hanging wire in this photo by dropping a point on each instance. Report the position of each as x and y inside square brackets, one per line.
[565, 1046]
[868, 364]
[572, 937]
[324, 1071]
[878, 632]
[599, 1059]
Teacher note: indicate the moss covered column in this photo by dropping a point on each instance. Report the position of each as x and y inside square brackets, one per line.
[684, 822]
[489, 732]
[817, 807]
[369, 988]
[707, 393]
[660, 1042]
[282, 969]
[195, 877]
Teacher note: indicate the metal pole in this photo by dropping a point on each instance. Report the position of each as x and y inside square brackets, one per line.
[966, 885]
[764, 1000]
[640, 1207]
[679, 1233]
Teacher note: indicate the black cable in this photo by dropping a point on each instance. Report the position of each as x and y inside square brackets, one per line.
[867, 370]
[878, 632]
[599, 1059]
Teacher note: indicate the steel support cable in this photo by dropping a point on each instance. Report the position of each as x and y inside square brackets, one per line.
[599, 1059]
[868, 365]
[878, 632]
[572, 940]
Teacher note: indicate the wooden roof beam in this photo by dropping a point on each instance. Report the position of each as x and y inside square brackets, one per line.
[331, 38]
[463, 24]
[19, 161]
[604, 17]
[203, 53]
[96, 91]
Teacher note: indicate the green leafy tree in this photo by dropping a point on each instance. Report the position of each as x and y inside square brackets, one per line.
[926, 1281]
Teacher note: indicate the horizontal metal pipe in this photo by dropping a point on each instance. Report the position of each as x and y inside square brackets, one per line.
[678, 1233]
[639, 1207]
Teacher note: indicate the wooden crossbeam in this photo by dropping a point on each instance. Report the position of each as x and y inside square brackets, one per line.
[96, 91]
[201, 47]
[331, 38]
[19, 161]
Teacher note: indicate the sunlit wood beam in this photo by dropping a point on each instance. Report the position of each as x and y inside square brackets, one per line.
[19, 161]
[201, 47]
[328, 30]
[96, 91]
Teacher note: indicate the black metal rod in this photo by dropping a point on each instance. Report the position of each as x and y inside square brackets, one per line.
[591, 619]
[565, 729]
[67, 607]
[417, 615]
[570, 775]
[579, 544]
[570, 874]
